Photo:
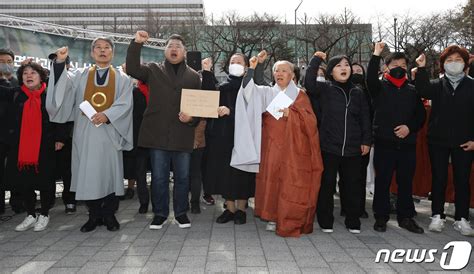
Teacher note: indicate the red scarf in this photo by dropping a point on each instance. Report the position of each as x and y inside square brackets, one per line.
[396, 82]
[30, 133]
[144, 90]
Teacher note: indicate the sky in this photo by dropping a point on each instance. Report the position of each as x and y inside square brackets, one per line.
[367, 10]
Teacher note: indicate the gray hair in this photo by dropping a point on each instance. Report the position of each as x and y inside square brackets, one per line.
[106, 39]
[292, 66]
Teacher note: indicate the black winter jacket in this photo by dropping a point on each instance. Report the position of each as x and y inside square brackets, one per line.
[452, 112]
[393, 107]
[344, 118]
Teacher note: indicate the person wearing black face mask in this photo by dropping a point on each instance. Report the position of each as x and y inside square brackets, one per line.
[398, 115]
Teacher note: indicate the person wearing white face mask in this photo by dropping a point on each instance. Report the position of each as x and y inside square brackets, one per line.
[235, 185]
[450, 133]
[321, 75]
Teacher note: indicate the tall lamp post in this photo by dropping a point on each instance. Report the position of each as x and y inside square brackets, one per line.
[296, 54]
[395, 33]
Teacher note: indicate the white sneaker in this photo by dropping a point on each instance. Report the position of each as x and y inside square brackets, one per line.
[437, 224]
[464, 227]
[271, 226]
[327, 230]
[27, 223]
[42, 223]
[354, 231]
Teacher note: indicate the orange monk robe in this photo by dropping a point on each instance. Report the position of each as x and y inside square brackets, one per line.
[288, 182]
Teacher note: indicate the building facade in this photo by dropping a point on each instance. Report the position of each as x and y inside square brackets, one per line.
[117, 16]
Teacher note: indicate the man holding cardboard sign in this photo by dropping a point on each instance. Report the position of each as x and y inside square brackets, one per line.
[166, 130]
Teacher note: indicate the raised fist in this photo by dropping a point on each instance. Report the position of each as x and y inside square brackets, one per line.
[253, 62]
[421, 60]
[141, 36]
[206, 64]
[320, 54]
[27, 61]
[262, 56]
[378, 48]
[61, 54]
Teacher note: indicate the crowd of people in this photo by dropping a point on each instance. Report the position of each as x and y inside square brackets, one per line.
[95, 126]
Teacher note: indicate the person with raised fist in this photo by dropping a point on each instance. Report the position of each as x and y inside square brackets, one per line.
[165, 131]
[32, 141]
[450, 133]
[99, 142]
[281, 143]
[398, 115]
[345, 138]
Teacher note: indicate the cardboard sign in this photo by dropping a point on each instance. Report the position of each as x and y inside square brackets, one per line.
[200, 103]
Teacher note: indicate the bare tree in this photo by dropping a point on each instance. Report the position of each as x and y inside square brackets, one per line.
[334, 34]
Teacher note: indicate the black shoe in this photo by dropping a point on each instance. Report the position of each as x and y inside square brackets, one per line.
[70, 209]
[195, 209]
[143, 209]
[90, 225]
[225, 217]
[240, 217]
[208, 200]
[111, 223]
[157, 222]
[129, 193]
[183, 221]
[364, 215]
[410, 225]
[380, 225]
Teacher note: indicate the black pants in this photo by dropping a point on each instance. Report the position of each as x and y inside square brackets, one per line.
[195, 175]
[3, 158]
[349, 168]
[46, 199]
[386, 161]
[462, 162]
[135, 168]
[141, 165]
[16, 201]
[63, 166]
[362, 184]
[103, 207]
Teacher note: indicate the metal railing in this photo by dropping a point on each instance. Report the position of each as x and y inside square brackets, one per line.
[76, 33]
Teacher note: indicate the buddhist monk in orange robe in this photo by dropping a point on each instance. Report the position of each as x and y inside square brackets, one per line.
[290, 166]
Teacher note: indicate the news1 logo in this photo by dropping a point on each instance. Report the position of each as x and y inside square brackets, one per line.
[456, 259]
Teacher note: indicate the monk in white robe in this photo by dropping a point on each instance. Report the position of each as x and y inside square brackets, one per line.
[97, 164]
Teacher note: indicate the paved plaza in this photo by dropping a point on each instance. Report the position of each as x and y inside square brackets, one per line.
[210, 247]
